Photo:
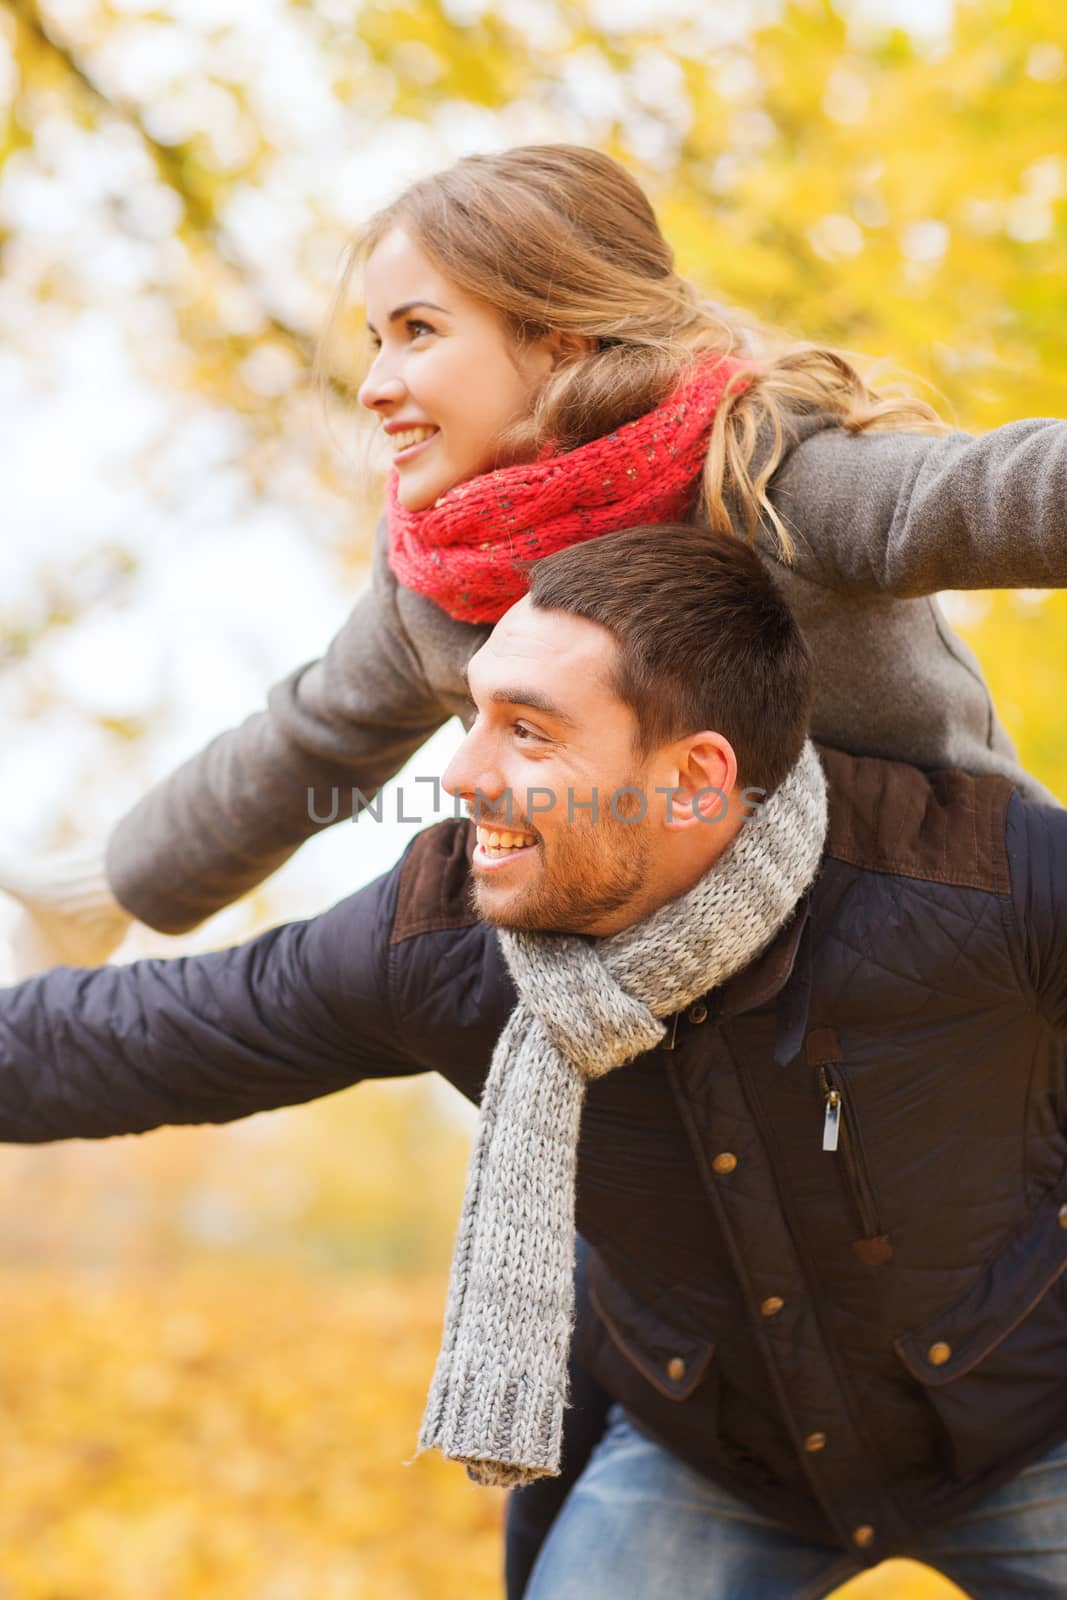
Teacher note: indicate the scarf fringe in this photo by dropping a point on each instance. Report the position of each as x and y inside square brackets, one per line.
[505, 1428]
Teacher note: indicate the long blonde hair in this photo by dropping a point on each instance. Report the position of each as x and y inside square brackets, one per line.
[560, 237]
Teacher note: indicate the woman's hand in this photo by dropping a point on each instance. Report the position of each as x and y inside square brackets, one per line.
[69, 915]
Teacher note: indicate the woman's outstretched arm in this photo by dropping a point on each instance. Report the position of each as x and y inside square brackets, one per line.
[231, 815]
[908, 514]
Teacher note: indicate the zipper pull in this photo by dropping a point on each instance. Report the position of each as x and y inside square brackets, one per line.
[672, 1037]
[831, 1128]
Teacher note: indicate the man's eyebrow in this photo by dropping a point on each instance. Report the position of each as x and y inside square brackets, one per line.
[533, 699]
[526, 697]
[411, 305]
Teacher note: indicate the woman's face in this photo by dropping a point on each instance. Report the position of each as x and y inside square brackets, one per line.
[448, 376]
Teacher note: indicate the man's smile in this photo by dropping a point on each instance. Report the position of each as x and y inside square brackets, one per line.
[497, 847]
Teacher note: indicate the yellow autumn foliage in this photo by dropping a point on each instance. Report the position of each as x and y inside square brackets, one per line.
[203, 1434]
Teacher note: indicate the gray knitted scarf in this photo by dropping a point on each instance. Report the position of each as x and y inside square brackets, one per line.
[499, 1390]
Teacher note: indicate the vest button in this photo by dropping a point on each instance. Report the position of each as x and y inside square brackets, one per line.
[939, 1353]
[724, 1164]
[676, 1369]
[863, 1535]
[698, 1012]
[771, 1306]
[815, 1441]
[1061, 1216]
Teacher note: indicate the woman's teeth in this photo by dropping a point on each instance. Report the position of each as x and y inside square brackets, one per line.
[490, 840]
[409, 437]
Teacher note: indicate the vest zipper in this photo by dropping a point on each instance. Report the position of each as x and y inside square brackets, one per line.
[838, 1135]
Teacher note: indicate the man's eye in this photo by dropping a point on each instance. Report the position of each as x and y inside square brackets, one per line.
[526, 734]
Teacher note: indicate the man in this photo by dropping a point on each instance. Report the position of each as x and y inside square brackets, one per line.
[801, 1072]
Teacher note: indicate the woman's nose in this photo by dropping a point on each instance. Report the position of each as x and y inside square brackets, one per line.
[382, 388]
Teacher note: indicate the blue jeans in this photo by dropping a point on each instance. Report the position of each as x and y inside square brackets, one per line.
[639, 1524]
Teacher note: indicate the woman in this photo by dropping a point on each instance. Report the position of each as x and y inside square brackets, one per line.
[544, 376]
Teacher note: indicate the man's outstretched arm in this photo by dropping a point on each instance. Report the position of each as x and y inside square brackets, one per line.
[299, 1012]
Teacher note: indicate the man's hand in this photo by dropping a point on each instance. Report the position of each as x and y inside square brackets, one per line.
[69, 915]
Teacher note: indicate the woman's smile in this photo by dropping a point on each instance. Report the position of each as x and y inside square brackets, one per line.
[408, 440]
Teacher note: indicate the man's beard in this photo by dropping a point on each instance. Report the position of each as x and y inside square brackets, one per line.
[597, 869]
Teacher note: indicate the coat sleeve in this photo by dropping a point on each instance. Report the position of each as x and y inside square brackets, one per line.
[301, 1011]
[909, 514]
[1037, 852]
[232, 814]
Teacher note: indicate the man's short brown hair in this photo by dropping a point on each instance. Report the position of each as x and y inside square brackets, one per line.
[705, 639]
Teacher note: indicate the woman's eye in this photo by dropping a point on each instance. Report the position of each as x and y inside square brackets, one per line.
[416, 327]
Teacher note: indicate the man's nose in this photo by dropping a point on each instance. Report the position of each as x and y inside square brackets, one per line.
[472, 773]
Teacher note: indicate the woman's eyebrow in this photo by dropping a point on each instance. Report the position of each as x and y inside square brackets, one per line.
[410, 305]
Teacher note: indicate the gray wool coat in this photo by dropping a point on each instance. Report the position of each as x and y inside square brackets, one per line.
[882, 522]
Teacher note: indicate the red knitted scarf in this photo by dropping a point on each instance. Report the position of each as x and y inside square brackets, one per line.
[461, 551]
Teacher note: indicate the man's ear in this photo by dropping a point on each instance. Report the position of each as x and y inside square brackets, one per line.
[706, 778]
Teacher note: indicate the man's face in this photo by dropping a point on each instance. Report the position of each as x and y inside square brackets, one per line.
[551, 734]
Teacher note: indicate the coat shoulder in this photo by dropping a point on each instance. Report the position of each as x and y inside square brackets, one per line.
[945, 827]
[433, 890]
